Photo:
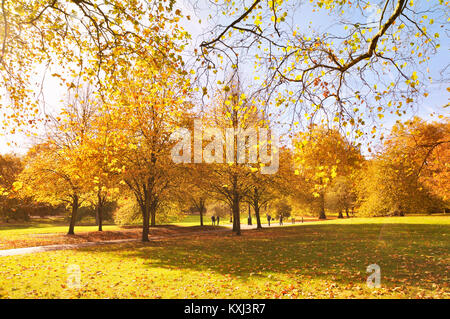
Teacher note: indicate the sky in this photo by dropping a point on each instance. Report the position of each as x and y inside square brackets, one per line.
[429, 107]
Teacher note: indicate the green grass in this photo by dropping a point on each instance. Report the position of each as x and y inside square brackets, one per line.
[312, 260]
[193, 220]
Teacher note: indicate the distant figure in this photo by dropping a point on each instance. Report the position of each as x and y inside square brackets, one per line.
[293, 220]
[302, 219]
[281, 220]
[218, 220]
[213, 220]
[268, 219]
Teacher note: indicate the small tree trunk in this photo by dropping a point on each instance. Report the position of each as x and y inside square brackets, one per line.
[236, 217]
[202, 210]
[346, 212]
[258, 218]
[249, 215]
[145, 222]
[322, 207]
[153, 214]
[99, 212]
[100, 217]
[73, 217]
[201, 216]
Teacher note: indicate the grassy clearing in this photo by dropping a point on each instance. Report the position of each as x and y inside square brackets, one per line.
[323, 260]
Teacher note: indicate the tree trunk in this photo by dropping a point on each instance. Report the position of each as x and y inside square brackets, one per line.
[249, 215]
[258, 218]
[145, 228]
[100, 217]
[201, 216]
[202, 209]
[74, 215]
[145, 222]
[236, 217]
[346, 212]
[322, 207]
[144, 203]
[153, 214]
[99, 212]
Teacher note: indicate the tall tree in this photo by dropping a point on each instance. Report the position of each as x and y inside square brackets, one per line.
[56, 169]
[409, 173]
[52, 175]
[237, 119]
[146, 107]
[321, 155]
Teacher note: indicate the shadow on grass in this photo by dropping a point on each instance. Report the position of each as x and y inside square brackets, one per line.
[409, 254]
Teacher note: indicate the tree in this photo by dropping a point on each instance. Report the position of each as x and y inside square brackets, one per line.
[144, 109]
[260, 194]
[236, 118]
[425, 147]
[99, 178]
[10, 168]
[342, 195]
[320, 156]
[265, 188]
[194, 190]
[406, 174]
[282, 209]
[52, 175]
[57, 170]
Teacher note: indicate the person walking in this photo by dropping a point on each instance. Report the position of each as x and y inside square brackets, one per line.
[268, 219]
[281, 220]
[213, 220]
[218, 219]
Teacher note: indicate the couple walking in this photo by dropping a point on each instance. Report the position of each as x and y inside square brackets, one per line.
[215, 219]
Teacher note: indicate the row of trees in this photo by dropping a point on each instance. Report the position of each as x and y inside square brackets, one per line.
[94, 155]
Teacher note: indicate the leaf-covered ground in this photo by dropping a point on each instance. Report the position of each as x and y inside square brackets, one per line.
[43, 235]
[323, 260]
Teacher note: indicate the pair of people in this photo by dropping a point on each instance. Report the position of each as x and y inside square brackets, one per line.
[269, 218]
[215, 220]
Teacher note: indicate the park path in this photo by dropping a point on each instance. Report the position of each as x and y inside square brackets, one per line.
[39, 249]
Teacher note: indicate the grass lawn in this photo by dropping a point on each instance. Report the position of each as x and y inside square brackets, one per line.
[311, 260]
